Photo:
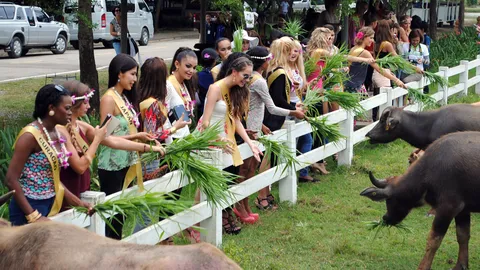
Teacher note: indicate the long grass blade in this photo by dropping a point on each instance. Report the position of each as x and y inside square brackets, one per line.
[280, 152]
[323, 131]
[424, 101]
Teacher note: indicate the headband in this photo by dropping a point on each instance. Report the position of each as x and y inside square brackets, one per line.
[268, 57]
[84, 97]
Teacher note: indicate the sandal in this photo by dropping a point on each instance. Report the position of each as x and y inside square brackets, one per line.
[271, 202]
[258, 203]
[228, 223]
[319, 168]
[307, 180]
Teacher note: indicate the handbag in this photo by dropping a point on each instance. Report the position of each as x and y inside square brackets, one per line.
[132, 48]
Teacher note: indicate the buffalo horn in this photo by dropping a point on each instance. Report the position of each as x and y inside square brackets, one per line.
[5, 197]
[382, 183]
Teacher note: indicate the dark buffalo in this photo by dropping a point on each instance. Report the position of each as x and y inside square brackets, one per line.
[446, 178]
[420, 129]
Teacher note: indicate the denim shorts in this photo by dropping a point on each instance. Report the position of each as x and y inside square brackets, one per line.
[17, 216]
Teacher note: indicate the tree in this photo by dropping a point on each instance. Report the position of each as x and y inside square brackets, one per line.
[461, 15]
[432, 27]
[88, 68]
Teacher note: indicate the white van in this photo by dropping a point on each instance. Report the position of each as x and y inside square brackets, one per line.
[140, 21]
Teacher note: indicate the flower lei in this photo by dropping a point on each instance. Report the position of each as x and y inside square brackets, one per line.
[64, 154]
[85, 97]
[189, 103]
[136, 122]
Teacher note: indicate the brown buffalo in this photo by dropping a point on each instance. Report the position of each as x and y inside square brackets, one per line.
[52, 245]
[446, 178]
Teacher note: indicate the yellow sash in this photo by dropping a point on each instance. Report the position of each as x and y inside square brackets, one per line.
[215, 70]
[275, 75]
[54, 163]
[177, 87]
[136, 169]
[255, 77]
[144, 105]
[230, 123]
[83, 144]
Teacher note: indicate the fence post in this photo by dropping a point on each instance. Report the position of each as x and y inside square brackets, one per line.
[345, 157]
[444, 71]
[464, 77]
[389, 92]
[477, 73]
[288, 185]
[212, 226]
[97, 225]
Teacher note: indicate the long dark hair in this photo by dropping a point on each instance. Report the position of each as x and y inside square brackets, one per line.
[383, 33]
[239, 96]
[122, 63]
[153, 80]
[228, 62]
[50, 94]
[78, 89]
[179, 55]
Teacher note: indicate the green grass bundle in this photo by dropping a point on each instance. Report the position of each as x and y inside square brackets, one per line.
[184, 155]
[378, 225]
[131, 205]
[322, 131]
[294, 28]
[348, 101]
[425, 101]
[312, 99]
[281, 153]
[395, 63]
[238, 40]
[310, 65]
[332, 73]
[436, 79]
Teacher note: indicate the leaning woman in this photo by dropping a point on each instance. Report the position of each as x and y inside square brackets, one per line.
[118, 168]
[227, 103]
[39, 153]
[83, 140]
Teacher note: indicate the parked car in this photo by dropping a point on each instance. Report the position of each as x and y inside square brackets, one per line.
[140, 21]
[23, 28]
[317, 5]
[248, 13]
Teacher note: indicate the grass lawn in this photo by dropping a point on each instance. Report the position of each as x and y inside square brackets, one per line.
[326, 228]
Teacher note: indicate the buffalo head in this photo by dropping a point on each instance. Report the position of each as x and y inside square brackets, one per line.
[387, 128]
[397, 209]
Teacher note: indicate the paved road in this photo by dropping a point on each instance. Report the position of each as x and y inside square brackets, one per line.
[43, 62]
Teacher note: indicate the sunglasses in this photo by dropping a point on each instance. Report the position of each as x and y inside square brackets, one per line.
[247, 77]
[117, 10]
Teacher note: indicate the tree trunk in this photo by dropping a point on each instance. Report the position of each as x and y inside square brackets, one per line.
[203, 21]
[433, 19]
[461, 16]
[157, 14]
[88, 68]
[124, 26]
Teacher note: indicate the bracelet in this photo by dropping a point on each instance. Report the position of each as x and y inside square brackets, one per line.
[34, 216]
[173, 130]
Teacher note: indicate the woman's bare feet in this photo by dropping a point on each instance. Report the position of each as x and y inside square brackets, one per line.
[319, 168]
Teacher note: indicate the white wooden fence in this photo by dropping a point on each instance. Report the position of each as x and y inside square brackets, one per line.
[210, 217]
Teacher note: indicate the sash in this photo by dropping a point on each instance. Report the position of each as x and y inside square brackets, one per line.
[54, 163]
[177, 87]
[136, 169]
[255, 77]
[230, 124]
[275, 75]
[215, 70]
[144, 105]
[83, 144]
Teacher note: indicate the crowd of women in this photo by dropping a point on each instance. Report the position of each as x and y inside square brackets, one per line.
[249, 93]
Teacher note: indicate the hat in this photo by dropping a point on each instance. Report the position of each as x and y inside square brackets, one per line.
[209, 54]
[245, 36]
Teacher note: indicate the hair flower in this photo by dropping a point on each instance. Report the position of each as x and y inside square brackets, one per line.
[206, 55]
[360, 35]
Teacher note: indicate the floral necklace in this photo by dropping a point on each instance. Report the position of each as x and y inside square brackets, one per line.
[64, 154]
[135, 120]
[187, 100]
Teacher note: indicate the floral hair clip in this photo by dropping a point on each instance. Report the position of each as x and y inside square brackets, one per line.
[360, 35]
[85, 97]
[206, 55]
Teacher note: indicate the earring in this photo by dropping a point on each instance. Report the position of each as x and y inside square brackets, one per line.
[233, 79]
[51, 113]
[118, 80]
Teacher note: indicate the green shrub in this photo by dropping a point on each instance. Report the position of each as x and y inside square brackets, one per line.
[450, 49]
[7, 139]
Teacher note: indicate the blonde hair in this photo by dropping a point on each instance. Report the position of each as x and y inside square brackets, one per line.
[319, 40]
[367, 32]
[299, 62]
[280, 48]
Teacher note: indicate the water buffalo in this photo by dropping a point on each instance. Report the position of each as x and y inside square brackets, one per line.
[420, 129]
[446, 178]
[52, 245]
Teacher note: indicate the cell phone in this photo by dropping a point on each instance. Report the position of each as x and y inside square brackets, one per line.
[176, 112]
[109, 116]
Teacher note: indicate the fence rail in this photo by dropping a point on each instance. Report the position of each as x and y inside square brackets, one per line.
[209, 216]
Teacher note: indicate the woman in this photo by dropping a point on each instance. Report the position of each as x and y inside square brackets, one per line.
[83, 140]
[248, 42]
[40, 151]
[115, 29]
[356, 21]
[259, 100]
[405, 23]
[223, 46]
[118, 168]
[417, 54]
[226, 103]
[179, 86]
[205, 77]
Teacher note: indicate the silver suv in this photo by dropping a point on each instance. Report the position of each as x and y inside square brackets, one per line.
[23, 28]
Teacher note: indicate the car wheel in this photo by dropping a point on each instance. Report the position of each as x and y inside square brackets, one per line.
[107, 44]
[60, 45]
[25, 51]
[15, 48]
[74, 44]
[144, 38]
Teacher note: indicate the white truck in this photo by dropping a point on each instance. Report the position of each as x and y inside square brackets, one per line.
[23, 28]
[317, 5]
[447, 11]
